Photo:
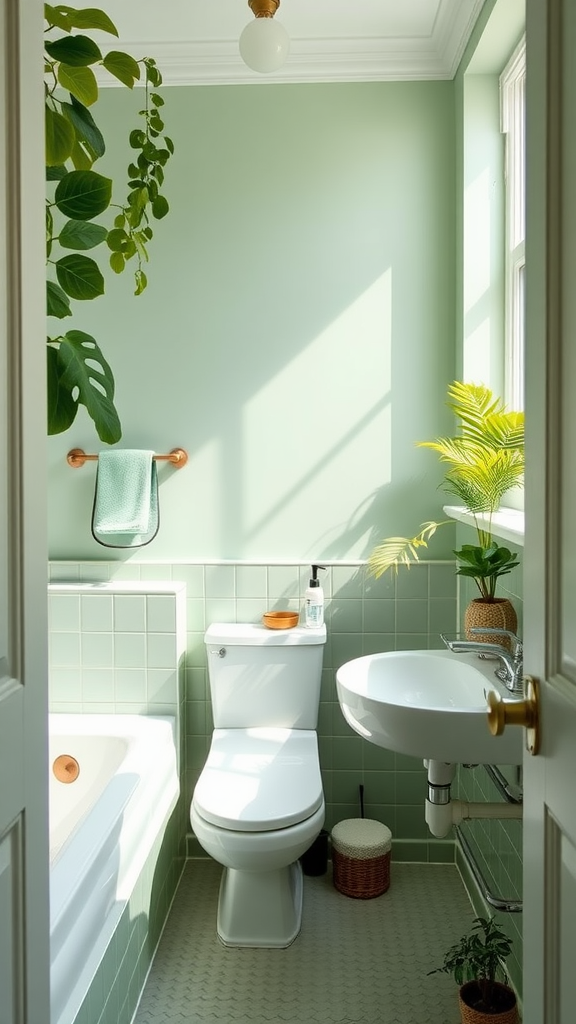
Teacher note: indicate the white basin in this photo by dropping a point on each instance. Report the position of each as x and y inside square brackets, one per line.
[430, 704]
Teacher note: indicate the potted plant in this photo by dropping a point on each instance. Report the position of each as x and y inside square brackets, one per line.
[485, 459]
[476, 961]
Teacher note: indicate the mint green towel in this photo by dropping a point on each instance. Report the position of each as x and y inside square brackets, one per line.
[125, 511]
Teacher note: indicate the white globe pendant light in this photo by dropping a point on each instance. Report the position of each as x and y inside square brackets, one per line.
[264, 43]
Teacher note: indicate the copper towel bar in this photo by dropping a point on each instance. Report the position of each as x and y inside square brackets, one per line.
[77, 457]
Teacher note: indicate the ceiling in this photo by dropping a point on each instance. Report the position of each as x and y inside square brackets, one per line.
[196, 41]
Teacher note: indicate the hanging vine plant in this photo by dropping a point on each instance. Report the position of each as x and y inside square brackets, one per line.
[81, 212]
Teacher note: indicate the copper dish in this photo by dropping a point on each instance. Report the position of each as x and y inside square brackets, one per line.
[280, 620]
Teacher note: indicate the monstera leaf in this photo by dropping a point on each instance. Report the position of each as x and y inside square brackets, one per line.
[79, 374]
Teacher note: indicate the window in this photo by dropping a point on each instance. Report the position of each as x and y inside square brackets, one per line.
[513, 118]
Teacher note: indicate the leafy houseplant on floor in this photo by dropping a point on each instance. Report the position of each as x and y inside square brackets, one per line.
[475, 961]
[485, 460]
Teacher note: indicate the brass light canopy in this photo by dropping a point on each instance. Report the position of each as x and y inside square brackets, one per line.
[263, 8]
[264, 43]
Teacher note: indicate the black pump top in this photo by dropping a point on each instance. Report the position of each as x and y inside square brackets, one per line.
[315, 582]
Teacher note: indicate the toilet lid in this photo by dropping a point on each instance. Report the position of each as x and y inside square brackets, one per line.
[256, 780]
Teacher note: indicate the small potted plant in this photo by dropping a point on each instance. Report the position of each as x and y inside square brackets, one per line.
[485, 459]
[477, 961]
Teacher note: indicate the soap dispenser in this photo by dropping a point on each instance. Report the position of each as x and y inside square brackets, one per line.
[314, 601]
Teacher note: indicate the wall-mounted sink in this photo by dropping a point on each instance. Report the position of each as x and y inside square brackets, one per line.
[430, 704]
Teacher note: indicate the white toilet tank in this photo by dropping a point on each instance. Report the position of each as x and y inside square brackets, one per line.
[260, 676]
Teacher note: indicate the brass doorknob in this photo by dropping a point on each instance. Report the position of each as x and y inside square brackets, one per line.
[517, 712]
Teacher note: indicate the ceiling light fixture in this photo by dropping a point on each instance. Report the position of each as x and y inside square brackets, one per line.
[264, 43]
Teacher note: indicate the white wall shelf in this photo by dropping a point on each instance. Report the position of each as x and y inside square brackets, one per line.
[507, 523]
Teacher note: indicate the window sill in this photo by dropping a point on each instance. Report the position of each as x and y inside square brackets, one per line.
[507, 523]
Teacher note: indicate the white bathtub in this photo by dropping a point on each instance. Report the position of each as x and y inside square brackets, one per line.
[102, 829]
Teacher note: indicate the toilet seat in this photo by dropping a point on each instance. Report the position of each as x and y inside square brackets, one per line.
[259, 780]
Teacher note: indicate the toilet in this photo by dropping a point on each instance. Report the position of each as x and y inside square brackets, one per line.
[258, 804]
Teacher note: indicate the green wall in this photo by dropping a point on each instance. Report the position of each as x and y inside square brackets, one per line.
[297, 335]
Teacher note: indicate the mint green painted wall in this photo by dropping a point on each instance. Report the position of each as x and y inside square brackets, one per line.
[297, 335]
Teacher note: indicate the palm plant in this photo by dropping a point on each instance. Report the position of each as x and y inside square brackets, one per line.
[485, 460]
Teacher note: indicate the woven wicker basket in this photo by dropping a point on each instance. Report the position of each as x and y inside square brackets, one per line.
[497, 614]
[361, 851]
[472, 1016]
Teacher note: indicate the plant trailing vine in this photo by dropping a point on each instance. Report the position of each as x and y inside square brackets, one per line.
[78, 373]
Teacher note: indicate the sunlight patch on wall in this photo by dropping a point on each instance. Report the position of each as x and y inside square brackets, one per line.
[477, 277]
[328, 402]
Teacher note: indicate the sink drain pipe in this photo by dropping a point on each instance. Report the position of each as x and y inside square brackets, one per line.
[442, 812]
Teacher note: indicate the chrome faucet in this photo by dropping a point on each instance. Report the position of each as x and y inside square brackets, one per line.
[510, 671]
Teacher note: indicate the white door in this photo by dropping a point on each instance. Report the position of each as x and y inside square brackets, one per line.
[550, 543]
[24, 950]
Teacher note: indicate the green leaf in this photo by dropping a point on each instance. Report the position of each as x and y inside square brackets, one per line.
[137, 139]
[82, 195]
[117, 240]
[139, 241]
[56, 18]
[160, 207]
[122, 66]
[80, 234]
[62, 407]
[117, 262]
[80, 277]
[85, 126]
[158, 174]
[141, 282]
[150, 151]
[138, 198]
[49, 229]
[56, 172]
[83, 368]
[152, 74]
[156, 123]
[89, 17]
[80, 81]
[156, 99]
[76, 51]
[57, 302]
[169, 145]
[81, 159]
[60, 138]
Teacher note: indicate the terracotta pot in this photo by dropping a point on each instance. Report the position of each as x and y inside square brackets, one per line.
[497, 614]
[507, 1007]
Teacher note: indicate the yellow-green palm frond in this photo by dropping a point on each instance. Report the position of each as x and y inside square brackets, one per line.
[482, 483]
[396, 551]
[485, 428]
[456, 450]
[504, 430]
[472, 402]
[483, 418]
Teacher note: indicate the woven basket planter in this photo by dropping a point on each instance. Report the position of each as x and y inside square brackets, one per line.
[361, 852]
[497, 614]
[469, 1015]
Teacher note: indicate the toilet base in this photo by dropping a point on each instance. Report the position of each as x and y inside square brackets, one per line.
[260, 908]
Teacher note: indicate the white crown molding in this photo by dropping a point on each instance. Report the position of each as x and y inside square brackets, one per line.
[432, 56]
[456, 22]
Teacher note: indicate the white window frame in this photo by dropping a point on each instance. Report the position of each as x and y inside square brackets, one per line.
[513, 121]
